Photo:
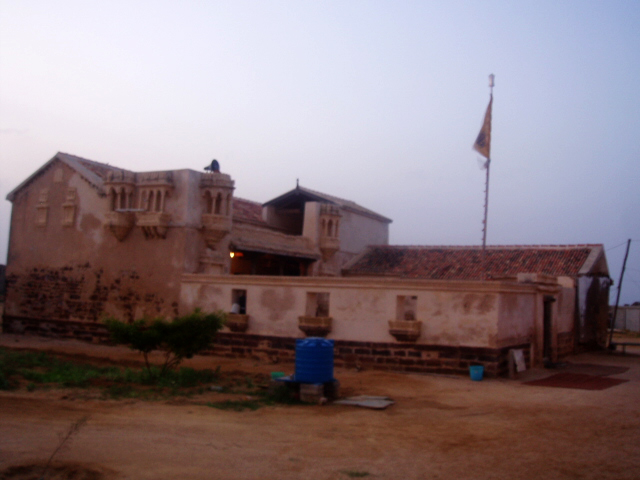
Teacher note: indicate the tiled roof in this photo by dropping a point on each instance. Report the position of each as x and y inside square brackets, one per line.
[247, 211]
[465, 263]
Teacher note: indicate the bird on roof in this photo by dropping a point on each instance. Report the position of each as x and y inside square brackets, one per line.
[214, 167]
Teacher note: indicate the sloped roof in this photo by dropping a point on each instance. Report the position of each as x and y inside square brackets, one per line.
[465, 263]
[264, 240]
[302, 194]
[247, 211]
[93, 172]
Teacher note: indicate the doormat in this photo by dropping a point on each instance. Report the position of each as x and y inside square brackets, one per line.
[580, 381]
[594, 369]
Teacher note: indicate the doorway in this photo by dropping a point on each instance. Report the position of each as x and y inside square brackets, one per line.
[547, 328]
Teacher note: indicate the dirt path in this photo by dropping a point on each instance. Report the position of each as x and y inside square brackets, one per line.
[439, 428]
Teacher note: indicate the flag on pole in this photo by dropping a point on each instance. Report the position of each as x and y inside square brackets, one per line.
[483, 142]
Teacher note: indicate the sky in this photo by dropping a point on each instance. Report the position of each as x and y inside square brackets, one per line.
[378, 102]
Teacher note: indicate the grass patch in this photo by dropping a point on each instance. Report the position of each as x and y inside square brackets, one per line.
[35, 370]
[32, 371]
[280, 395]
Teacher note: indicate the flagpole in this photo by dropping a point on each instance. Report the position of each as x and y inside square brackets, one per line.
[486, 207]
[486, 199]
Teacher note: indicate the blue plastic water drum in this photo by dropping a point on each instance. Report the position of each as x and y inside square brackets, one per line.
[314, 360]
[476, 372]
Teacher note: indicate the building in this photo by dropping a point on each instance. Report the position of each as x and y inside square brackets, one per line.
[89, 240]
[627, 317]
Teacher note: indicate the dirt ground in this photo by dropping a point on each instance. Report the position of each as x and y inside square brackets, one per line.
[439, 428]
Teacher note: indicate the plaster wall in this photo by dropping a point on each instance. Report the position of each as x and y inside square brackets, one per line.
[358, 231]
[311, 225]
[515, 323]
[566, 300]
[81, 271]
[452, 313]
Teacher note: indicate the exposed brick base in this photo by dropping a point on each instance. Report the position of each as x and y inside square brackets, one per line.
[401, 357]
[86, 331]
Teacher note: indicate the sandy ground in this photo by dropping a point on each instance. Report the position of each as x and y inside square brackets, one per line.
[440, 428]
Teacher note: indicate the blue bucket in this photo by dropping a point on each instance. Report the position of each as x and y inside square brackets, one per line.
[476, 372]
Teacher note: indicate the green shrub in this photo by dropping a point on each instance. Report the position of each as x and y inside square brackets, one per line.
[182, 338]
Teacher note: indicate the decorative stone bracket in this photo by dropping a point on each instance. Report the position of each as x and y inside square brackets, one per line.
[120, 223]
[237, 322]
[405, 330]
[215, 228]
[315, 326]
[153, 224]
[329, 246]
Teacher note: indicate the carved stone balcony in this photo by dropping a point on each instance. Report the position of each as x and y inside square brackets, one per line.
[237, 322]
[315, 326]
[120, 223]
[405, 330]
[329, 246]
[153, 224]
[215, 228]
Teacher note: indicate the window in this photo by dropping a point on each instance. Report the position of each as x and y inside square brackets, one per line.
[406, 307]
[239, 301]
[317, 304]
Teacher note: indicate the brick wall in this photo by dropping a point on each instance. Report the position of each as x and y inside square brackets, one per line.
[86, 331]
[398, 357]
[81, 292]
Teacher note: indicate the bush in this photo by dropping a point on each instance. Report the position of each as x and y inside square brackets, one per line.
[182, 338]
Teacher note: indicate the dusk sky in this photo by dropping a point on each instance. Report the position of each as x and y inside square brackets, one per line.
[378, 102]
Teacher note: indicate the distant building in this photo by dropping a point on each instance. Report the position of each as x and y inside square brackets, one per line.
[89, 240]
[627, 317]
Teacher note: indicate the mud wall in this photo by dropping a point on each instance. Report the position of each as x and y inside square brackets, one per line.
[64, 263]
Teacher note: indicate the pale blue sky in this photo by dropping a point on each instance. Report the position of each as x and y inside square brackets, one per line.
[375, 101]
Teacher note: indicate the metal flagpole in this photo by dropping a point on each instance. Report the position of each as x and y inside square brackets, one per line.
[486, 200]
[484, 222]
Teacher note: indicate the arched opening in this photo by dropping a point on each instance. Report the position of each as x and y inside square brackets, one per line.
[218, 204]
[330, 228]
[123, 199]
[151, 200]
[158, 201]
[208, 202]
[113, 200]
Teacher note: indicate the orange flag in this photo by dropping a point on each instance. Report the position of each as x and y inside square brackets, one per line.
[483, 142]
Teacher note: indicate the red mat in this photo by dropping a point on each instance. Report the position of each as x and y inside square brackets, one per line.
[594, 369]
[579, 381]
